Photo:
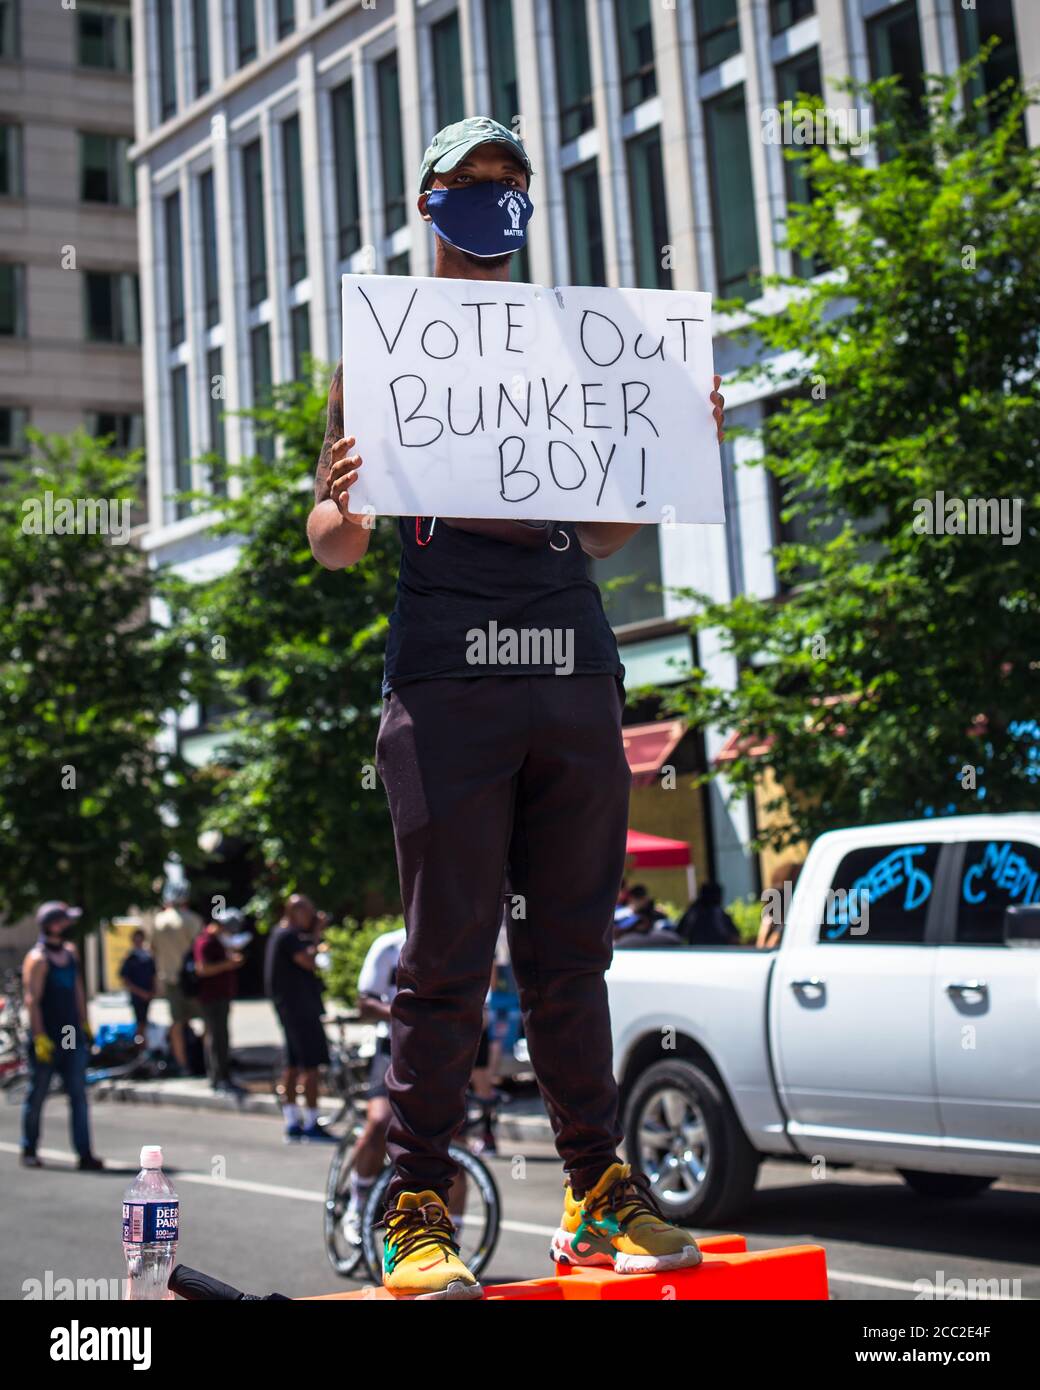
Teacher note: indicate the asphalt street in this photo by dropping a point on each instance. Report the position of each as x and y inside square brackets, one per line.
[251, 1212]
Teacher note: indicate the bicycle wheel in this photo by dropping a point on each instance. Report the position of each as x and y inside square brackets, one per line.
[345, 1253]
[476, 1222]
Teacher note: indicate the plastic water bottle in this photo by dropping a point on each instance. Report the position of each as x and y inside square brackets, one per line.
[150, 1212]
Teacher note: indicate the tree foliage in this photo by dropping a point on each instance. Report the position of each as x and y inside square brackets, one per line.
[87, 785]
[896, 673]
[292, 656]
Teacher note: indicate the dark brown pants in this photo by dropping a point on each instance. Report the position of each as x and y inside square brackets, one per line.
[525, 773]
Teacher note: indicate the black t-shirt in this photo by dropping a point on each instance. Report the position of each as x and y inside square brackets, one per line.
[288, 984]
[538, 610]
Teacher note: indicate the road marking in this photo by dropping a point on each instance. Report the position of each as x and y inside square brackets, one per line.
[519, 1228]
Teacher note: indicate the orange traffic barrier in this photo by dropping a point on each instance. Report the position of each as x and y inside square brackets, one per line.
[728, 1271]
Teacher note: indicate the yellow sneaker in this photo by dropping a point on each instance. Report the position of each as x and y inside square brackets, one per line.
[618, 1223]
[420, 1257]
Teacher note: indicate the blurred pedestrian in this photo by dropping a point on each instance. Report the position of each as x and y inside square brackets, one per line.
[137, 972]
[173, 934]
[60, 1034]
[217, 962]
[640, 913]
[706, 922]
[293, 984]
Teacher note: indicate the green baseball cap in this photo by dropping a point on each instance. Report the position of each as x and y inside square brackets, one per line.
[450, 146]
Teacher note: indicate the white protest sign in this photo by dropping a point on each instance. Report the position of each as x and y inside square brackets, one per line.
[478, 399]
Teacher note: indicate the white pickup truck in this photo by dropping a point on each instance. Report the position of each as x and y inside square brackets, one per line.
[897, 1024]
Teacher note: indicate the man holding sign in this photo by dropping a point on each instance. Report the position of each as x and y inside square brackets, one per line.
[500, 743]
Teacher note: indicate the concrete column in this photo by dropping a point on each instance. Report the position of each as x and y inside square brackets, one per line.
[474, 52]
[675, 146]
[147, 270]
[540, 132]
[413, 134]
[227, 194]
[274, 236]
[1027, 36]
[193, 338]
[313, 204]
[610, 158]
[759, 93]
[938, 35]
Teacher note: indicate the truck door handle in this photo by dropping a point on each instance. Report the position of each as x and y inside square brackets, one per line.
[967, 987]
[813, 982]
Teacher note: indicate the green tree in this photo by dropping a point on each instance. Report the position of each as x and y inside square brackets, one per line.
[293, 656]
[892, 674]
[86, 786]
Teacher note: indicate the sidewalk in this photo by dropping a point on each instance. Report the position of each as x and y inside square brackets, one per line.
[256, 1045]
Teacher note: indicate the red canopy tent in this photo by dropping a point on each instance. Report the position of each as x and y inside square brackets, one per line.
[656, 852]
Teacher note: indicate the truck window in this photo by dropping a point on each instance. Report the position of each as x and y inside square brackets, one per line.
[995, 874]
[880, 894]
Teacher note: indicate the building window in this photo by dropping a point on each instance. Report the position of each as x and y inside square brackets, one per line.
[200, 26]
[585, 226]
[167, 59]
[447, 69]
[295, 225]
[300, 327]
[12, 300]
[260, 359]
[732, 194]
[13, 420]
[573, 76]
[975, 29]
[245, 29]
[210, 264]
[894, 40]
[181, 438]
[800, 74]
[344, 136]
[174, 267]
[638, 600]
[105, 175]
[391, 148]
[649, 210]
[718, 31]
[8, 29]
[11, 161]
[784, 13]
[104, 38]
[501, 53]
[285, 17]
[126, 431]
[256, 240]
[636, 51]
[215, 395]
[111, 303]
[399, 265]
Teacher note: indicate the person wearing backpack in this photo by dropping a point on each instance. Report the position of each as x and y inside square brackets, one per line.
[217, 966]
[173, 931]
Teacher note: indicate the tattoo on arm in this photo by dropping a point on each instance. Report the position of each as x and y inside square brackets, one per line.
[333, 433]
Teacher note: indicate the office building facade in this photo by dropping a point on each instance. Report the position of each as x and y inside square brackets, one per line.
[277, 147]
[70, 345]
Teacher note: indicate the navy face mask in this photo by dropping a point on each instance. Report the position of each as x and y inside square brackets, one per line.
[485, 219]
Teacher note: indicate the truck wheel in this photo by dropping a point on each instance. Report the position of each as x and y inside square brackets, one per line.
[682, 1132]
[944, 1184]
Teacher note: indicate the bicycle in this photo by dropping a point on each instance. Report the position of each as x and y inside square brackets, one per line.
[477, 1221]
